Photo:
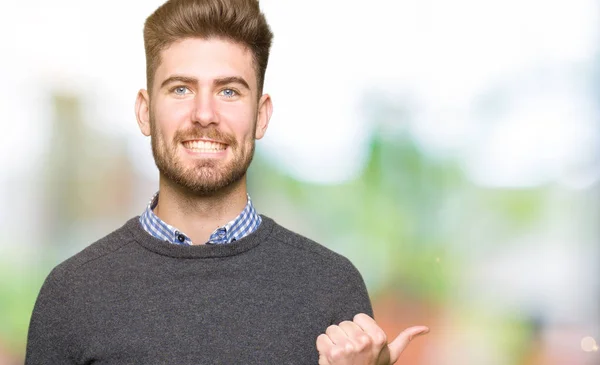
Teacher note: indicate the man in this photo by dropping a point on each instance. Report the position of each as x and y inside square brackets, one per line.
[200, 277]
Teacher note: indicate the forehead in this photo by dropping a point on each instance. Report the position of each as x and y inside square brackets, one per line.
[206, 59]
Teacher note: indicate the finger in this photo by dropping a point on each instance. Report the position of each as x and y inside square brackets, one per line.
[324, 344]
[370, 327]
[323, 360]
[357, 336]
[351, 329]
[401, 342]
[337, 335]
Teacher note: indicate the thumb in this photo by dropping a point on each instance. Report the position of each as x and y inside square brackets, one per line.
[401, 342]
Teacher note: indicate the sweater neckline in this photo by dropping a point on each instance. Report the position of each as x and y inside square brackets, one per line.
[199, 251]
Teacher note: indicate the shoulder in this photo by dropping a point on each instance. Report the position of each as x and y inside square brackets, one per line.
[303, 247]
[331, 272]
[106, 245]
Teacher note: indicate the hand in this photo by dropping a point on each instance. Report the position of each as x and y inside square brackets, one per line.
[362, 342]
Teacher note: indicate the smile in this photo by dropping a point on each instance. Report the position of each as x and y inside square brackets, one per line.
[204, 146]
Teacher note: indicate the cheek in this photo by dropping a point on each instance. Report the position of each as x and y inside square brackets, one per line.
[168, 117]
[240, 118]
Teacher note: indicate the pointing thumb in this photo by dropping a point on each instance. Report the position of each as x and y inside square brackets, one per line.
[401, 342]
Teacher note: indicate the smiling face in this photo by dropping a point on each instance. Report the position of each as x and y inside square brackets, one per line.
[203, 114]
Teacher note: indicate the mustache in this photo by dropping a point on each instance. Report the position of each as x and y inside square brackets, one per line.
[209, 133]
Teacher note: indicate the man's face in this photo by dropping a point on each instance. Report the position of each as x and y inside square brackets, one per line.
[204, 114]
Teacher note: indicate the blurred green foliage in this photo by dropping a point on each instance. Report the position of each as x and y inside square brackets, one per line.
[19, 286]
[402, 217]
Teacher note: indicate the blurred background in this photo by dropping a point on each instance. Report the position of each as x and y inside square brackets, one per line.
[450, 149]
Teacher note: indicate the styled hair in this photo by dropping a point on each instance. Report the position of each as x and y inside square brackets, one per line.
[239, 21]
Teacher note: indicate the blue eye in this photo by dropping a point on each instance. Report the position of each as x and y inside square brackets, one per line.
[180, 90]
[229, 93]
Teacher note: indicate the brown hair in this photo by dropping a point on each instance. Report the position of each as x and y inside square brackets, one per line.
[240, 21]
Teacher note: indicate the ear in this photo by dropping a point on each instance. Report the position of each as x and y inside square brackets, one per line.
[265, 109]
[142, 111]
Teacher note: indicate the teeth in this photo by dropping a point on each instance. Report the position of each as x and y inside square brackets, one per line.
[204, 146]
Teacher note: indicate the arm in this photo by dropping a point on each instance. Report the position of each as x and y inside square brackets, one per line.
[352, 296]
[48, 338]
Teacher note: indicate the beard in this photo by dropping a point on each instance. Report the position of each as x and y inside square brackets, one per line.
[205, 177]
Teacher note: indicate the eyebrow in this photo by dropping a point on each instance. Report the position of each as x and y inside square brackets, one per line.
[218, 82]
[232, 80]
[177, 78]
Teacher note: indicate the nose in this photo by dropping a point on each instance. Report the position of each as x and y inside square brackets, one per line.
[204, 112]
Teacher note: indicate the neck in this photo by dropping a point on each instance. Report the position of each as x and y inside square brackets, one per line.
[199, 216]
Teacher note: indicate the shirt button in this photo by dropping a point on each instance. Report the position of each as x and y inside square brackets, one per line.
[181, 238]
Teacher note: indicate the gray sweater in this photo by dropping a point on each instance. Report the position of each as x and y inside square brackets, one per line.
[130, 298]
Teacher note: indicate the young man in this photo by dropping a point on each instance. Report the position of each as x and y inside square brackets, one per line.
[200, 277]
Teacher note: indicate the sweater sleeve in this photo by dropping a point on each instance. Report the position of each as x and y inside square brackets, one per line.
[353, 297]
[48, 339]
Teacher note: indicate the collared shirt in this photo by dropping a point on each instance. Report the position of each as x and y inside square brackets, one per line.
[244, 224]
